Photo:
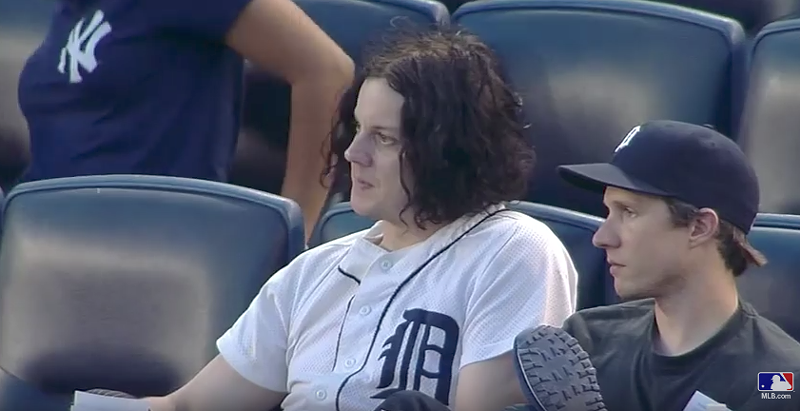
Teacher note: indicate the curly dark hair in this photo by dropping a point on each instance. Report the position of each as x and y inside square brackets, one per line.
[463, 137]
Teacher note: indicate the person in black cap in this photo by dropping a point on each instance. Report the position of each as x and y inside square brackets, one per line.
[681, 199]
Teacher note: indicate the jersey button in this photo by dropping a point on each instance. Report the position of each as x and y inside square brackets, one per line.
[321, 394]
[386, 265]
[349, 363]
[365, 310]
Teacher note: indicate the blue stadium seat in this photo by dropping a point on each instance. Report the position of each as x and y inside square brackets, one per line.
[752, 14]
[773, 289]
[573, 228]
[338, 221]
[770, 120]
[590, 70]
[352, 24]
[2, 201]
[125, 282]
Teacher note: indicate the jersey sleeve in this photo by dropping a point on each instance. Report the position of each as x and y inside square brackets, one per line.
[531, 281]
[255, 346]
[206, 18]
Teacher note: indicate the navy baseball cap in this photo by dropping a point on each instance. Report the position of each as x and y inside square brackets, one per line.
[691, 163]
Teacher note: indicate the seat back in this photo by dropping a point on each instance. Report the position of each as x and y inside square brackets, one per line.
[352, 24]
[770, 124]
[773, 288]
[752, 14]
[126, 282]
[573, 228]
[338, 221]
[590, 70]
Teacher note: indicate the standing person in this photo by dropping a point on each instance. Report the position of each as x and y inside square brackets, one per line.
[148, 87]
[681, 200]
[431, 297]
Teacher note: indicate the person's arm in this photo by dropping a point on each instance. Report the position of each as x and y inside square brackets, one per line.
[489, 385]
[278, 37]
[531, 281]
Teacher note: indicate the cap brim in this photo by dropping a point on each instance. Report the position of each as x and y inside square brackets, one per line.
[598, 176]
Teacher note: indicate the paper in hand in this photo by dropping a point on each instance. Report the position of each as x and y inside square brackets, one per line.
[702, 402]
[84, 401]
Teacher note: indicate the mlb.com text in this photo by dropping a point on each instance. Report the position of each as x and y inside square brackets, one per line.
[775, 396]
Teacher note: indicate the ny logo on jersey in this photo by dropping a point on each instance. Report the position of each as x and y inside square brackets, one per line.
[628, 138]
[425, 338]
[78, 53]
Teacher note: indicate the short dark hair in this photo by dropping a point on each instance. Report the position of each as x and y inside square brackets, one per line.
[736, 251]
[463, 136]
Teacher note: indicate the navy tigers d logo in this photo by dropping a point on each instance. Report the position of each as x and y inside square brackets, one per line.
[425, 337]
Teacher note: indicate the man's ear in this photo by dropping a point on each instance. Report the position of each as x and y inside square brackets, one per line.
[704, 226]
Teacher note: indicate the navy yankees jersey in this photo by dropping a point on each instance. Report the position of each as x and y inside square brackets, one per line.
[348, 323]
[134, 86]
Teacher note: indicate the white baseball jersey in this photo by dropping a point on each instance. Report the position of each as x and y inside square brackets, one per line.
[348, 323]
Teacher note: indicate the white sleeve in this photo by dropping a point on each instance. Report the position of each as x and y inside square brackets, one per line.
[255, 346]
[531, 281]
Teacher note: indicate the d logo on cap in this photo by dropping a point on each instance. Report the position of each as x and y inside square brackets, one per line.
[628, 138]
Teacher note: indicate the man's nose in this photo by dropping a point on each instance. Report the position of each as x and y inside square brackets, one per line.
[606, 236]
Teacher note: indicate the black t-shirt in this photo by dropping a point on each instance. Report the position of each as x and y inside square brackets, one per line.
[725, 368]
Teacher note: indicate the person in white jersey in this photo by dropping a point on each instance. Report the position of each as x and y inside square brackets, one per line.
[430, 298]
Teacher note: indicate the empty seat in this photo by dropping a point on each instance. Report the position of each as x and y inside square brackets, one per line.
[770, 122]
[338, 221]
[590, 70]
[773, 288]
[752, 14]
[573, 228]
[355, 23]
[352, 24]
[126, 282]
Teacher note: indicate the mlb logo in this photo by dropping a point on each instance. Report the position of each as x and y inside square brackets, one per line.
[775, 381]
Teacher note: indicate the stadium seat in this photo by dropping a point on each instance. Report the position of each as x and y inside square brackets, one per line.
[353, 24]
[2, 201]
[752, 14]
[770, 122]
[773, 289]
[590, 70]
[573, 228]
[338, 221]
[126, 282]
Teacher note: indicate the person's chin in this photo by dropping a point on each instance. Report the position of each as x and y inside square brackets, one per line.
[361, 207]
[629, 293]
